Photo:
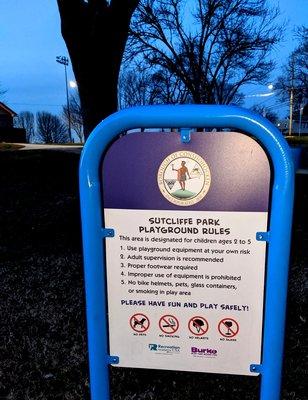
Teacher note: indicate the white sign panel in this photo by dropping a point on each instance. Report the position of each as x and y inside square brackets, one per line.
[185, 280]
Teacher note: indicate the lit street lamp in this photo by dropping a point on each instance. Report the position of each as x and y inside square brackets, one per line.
[73, 84]
[64, 61]
[267, 94]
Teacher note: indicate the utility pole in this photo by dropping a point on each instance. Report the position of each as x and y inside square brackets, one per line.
[301, 109]
[291, 110]
[291, 97]
[64, 61]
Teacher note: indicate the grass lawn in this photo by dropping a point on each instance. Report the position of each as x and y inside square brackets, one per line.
[10, 146]
[300, 140]
[43, 333]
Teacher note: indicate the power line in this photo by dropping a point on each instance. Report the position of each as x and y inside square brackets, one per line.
[278, 104]
[36, 104]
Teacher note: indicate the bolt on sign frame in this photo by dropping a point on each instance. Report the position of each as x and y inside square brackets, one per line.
[278, 236]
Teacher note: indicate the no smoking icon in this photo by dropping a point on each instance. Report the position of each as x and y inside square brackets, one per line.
[228, 327]
[198, 326]
[139, 323]
[168, 324]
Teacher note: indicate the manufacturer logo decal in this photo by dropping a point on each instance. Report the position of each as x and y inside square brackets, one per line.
[163, 349]
[206, 352]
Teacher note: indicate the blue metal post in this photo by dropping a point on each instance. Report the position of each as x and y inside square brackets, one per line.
[278, 239]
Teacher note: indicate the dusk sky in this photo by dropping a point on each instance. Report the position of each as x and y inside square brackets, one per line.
[30, 40]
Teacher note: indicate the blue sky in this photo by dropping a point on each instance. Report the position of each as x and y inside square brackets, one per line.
[30, 40]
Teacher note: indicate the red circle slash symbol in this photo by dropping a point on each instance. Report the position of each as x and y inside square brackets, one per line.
[228, 327]
[198, 326]
[139, 323]
[168, 324]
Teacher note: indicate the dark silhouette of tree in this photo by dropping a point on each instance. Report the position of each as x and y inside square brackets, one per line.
[50, 128]
[295, 74]
[135, 89]
[95, 32]
[169, 88]
[266, 112]
[26, 120]
[75, 116]
[212, 46]
[138, 87]
[2, 91]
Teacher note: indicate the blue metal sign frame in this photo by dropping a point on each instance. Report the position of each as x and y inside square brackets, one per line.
[278, 236]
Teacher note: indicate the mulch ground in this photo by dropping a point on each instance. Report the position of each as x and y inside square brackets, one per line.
[43, 349]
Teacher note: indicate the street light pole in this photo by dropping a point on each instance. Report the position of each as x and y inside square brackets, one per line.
[301, 109]
[64, 61]
[291, 96]
[291, 111]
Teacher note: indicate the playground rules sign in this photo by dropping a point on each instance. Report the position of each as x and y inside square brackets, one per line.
[185, 272]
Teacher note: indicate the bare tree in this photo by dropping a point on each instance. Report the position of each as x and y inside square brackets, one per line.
[50, 129]
[95, 33]
[169, 88]
[25, 120]
[225, 44]
[134, 89]
[75, 115]
[266, 112]
[141, 88]
[294, 78]
[2, 91]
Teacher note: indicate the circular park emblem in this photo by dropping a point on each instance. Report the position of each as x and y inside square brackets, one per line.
[184, 178]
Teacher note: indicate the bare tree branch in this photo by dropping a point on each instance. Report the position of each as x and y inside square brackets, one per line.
[75, 116]
[295, 73]
[227, 44]
[26, 120]
[50, 129]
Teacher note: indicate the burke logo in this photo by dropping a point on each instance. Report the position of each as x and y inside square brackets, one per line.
[203, 352]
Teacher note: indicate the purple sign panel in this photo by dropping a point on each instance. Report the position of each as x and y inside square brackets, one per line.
[239, 171]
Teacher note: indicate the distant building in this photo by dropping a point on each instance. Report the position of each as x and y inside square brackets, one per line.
[8, 133]
[298, 127]
[6, 116]
[305, 111]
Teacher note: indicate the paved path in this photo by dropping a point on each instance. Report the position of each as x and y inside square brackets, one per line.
[67, 147]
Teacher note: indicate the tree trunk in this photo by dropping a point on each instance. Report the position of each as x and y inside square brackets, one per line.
[95, 34]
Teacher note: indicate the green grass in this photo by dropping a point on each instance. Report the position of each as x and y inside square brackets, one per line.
[43, 327]
[297, 140]
[183, 194]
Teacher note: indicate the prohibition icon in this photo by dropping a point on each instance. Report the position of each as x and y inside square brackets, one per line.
[228, 327]
[168, 324]
[139, 323]
[198, 326]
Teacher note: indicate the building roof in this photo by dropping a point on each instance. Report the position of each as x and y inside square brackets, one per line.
[7, 109]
